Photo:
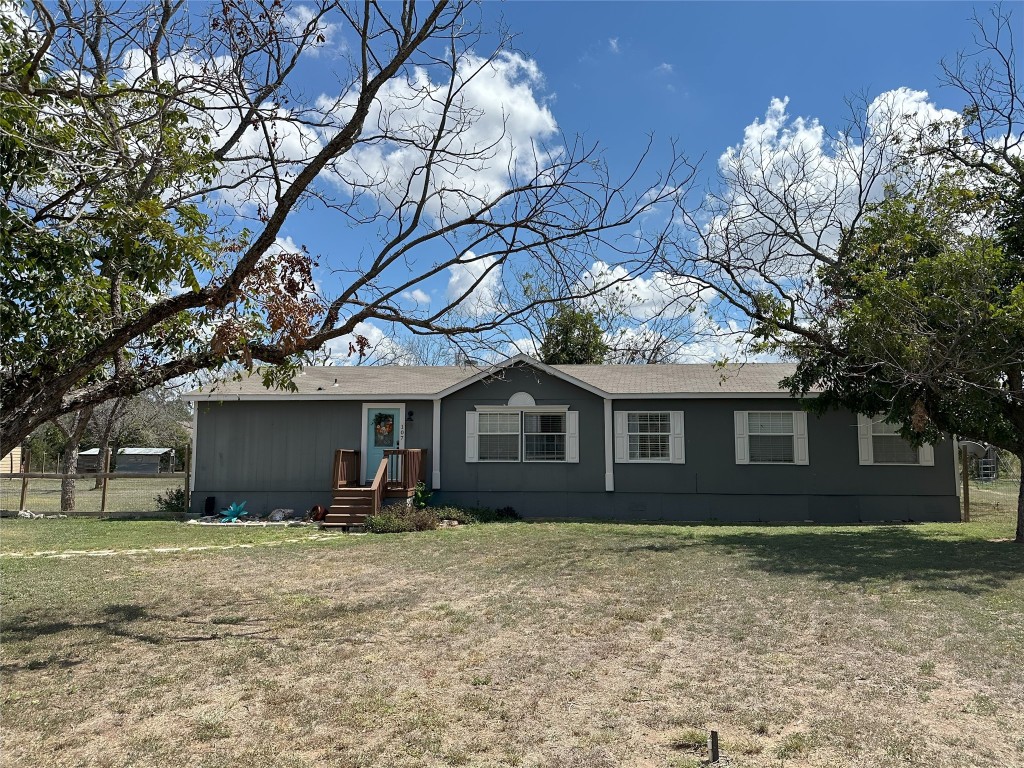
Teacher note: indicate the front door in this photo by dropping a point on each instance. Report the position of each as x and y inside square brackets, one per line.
[384, 429]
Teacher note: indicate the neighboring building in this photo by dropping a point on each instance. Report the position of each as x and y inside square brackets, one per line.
[12, 461]
[609, 442]
[143, 461]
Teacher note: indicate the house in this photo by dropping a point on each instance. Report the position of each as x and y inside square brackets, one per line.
[605, 442]
[143, 461]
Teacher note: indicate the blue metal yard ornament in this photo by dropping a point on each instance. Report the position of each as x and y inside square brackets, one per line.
[232, 513]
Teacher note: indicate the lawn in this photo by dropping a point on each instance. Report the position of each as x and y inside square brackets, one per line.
[515, 644]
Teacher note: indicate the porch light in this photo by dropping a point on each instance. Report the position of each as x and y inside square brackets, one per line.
[408, 417]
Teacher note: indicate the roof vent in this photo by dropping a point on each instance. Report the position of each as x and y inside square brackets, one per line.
[335, 383]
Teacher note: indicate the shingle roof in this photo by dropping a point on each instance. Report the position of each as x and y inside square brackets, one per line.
[688, 378]
[129, 452]
[376, 380]
[428, 381]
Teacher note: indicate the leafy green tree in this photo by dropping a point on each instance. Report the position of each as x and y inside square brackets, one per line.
[572, 337]
[927, 322]
[153, 153]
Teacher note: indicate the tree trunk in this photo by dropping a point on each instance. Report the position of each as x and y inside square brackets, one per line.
[104, 445]
[69, 457]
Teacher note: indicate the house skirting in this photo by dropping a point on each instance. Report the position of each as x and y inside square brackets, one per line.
[680, 508]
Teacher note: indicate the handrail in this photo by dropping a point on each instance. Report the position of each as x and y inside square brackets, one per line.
[346, 468]
[378, 485]
[407, 469]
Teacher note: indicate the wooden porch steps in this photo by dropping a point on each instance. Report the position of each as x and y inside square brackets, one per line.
[396, 476]
[350, 506]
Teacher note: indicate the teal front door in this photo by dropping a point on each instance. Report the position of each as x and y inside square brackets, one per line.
[384, 430]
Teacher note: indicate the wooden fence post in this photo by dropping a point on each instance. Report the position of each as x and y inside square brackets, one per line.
[965, 473]
[24, 480]
[106, 471]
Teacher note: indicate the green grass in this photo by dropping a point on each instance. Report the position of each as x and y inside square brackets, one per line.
[522, 644]
[124, 494]
[27, 536]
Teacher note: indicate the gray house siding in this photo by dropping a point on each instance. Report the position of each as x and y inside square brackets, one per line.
[710, 485]
[279, 453]
[463, 482]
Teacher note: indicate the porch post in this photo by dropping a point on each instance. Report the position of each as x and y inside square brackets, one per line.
[609, 456]
[435, 445]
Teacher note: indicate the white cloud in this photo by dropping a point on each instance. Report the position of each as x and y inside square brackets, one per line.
[639, 297]
[417, 296]
[613, 44]
[481, 300]
[495, 131]
[299, 18]
[663, 69]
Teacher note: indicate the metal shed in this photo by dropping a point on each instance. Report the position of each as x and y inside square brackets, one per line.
[139, 460]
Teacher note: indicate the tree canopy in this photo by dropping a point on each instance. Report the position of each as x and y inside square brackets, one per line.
[572, 337]
[157, 150]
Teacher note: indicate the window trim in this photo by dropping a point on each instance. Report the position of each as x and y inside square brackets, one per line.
[519, 443]
[572, 451]
[523, 433]
[801, 444]
[676, 439]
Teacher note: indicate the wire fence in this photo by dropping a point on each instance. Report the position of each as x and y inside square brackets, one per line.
[994, 483]
[125, 493]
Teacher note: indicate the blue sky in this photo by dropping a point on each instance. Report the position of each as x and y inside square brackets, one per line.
[701, 72]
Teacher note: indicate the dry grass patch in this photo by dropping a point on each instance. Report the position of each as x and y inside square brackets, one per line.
[530, 645]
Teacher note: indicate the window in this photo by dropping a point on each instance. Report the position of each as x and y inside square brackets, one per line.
[771, 437]
[499, 436]
[888, 447]
[881, 443]
[543, 437]
[649, 437]
[507, 434]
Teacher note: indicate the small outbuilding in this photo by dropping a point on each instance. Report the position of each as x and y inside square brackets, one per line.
[143, 461]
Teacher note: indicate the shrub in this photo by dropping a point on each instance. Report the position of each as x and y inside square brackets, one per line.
[401, 520]
[422, 496]
[172, 502]
[502, 515]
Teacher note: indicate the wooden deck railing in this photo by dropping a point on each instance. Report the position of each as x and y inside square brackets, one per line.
[379, 485]
[346, 468]
[405, 469]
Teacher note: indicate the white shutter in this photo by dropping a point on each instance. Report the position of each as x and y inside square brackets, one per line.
[621, 439]
[472, 430]
[864, 439]
[927, 454]
[742, 439]
[677, 448]
[800, 454]
[572, 437]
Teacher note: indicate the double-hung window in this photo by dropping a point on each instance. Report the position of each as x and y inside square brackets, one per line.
[532, 434]
[771, 437]
[499, 436]
[881, 443]
[544, 436]
[649, 437]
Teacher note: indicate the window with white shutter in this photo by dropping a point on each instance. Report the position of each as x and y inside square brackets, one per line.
[649, 437]
[771, 437]
[881, 443]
